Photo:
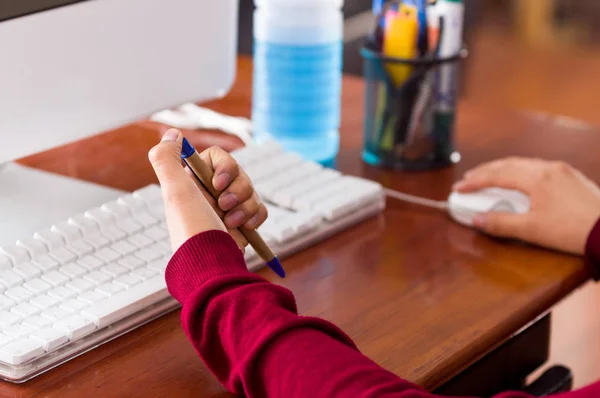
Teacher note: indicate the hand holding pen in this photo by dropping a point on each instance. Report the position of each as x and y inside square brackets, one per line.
[191, 210]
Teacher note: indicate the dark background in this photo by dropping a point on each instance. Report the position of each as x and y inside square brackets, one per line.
[16, 8]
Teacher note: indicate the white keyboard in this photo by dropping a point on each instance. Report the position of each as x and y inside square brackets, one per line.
[100, 274]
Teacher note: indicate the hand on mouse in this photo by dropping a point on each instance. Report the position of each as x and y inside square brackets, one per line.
[565, 204]
[191, 210]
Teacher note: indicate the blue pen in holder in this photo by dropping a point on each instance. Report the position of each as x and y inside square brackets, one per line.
[404, 127]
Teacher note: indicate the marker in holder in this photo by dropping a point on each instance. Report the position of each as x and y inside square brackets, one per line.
[409, 126]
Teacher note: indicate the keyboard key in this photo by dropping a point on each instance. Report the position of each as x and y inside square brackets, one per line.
[102, 218]
[129, 226]
[16, 254]
[114, 234]
[90, 262]
[74, 305]
[18, 330]
[145, 219]
[5, 262]
[131, 262]
[127, 302]
[55, 278]
[62, 255]
[8, 318]
[75, 326]
[158, 211]
[37, 321]
[157, 233]
[97, 277]
[37, 286]
[25, 310]
[51, 239]
[19, 294]
[109, 289]
[80, 248]
[85, 224]
[21, 351]
[73, 270]
[148, 254]
[127, 281]
[150, 194]
[45, 263]
[66, 292]
[164, 247]
[35, 247]
[139, 240]
[92, 297]
[158, 265]
[107, 255]
[44, 301]
[10, 278]
[123, 247]
[49, 337]
[116, 209]
[114, 270]
[69, 232]
[97, 241]
[144, 273]
[132, 203]
[80, 285]
[27, 270]
[55, 313]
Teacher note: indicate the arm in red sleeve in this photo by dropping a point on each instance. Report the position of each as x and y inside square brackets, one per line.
[249, 334]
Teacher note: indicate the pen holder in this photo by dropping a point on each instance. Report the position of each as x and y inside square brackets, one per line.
[410, 126]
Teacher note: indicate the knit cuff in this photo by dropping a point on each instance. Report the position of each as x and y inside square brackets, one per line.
[201, 258]
[592, 252]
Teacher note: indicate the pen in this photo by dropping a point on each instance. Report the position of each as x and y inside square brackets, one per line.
[204, 175]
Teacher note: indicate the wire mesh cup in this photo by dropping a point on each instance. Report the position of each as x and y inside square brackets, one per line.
[410, 126]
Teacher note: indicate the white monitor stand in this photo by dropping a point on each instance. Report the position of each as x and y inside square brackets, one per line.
[33, 199]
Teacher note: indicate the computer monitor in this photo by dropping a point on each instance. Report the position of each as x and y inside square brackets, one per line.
[73, 68]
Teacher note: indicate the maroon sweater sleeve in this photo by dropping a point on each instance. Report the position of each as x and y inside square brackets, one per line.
[249, 334]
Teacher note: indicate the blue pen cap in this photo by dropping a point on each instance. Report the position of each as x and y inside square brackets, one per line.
[187, 149]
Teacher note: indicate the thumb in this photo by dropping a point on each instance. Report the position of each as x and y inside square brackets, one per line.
[166, 160]
[503, 225]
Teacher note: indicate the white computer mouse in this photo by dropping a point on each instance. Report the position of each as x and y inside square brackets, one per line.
[464, 206]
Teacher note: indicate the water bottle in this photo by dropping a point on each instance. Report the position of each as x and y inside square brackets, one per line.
[298, 46]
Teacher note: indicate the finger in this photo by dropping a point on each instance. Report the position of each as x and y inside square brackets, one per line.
[237, 192]
[239, 238]
[514, 173]
[242, 213]
[166, 162]
[207, 195]
[224, 166]
[258, 219]
[502, 225]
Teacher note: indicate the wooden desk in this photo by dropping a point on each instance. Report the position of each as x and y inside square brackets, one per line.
[421, 295]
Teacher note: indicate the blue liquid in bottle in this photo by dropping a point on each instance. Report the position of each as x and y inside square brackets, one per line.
[297, 97]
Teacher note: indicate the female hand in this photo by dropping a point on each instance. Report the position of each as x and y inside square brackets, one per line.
[565, 205]
[189, 208]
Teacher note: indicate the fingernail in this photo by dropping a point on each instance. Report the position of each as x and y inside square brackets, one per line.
[171, 135]
[253, 222]
[228, 201]
[479, 221]
[222, 181]
[235, 219]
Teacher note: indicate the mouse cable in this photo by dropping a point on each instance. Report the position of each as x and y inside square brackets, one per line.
[405, 197]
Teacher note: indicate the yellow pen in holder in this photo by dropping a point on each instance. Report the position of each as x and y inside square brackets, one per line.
[400, 41]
